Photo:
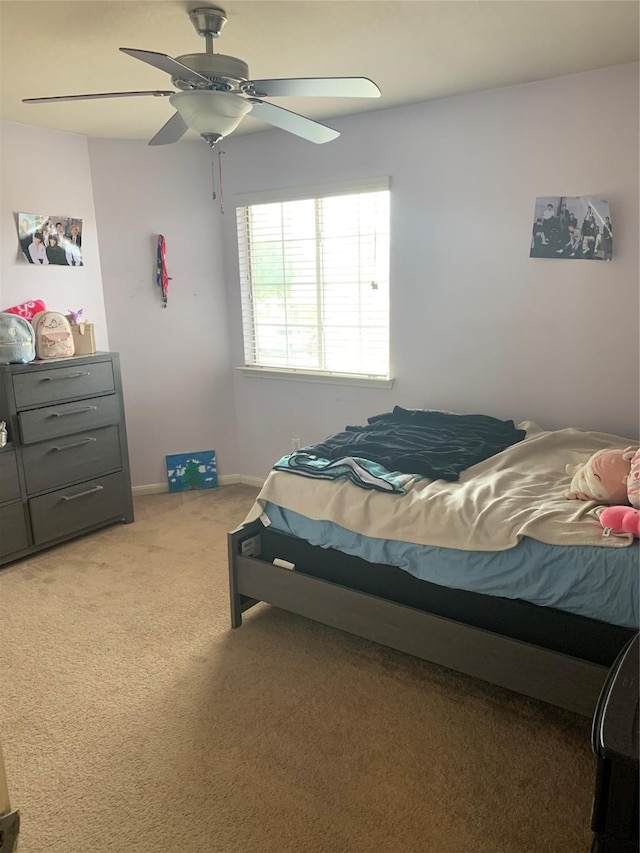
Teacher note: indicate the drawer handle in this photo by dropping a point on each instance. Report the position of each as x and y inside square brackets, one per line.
[74, 411]
[73, 444]
[68, 376]
[82, 494]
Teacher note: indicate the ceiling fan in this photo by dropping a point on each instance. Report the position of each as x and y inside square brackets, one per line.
[214, 92]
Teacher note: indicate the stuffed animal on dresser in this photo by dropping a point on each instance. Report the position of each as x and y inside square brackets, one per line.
[606, 477]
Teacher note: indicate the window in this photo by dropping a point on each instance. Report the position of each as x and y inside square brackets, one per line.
[314, 270]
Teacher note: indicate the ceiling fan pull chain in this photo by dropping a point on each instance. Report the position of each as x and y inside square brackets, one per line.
[220, 153]
[213, 177]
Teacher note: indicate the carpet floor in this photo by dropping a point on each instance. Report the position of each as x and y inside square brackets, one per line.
[134, 719]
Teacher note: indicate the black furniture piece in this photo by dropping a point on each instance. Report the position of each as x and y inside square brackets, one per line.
[65, 468]
[614, 740]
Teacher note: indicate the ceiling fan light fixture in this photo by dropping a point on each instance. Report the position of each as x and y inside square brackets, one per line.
[211, 113]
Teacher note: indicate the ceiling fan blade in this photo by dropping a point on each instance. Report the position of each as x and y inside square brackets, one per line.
[293, 122]
[166, 63]
[157, 93]
[171, 131]
[323, 87]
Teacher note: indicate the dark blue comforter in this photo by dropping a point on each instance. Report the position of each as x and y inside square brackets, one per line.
[438, 445]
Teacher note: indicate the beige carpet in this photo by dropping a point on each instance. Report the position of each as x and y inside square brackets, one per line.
[134, 720]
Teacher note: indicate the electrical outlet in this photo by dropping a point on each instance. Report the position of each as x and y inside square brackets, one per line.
[296, 444]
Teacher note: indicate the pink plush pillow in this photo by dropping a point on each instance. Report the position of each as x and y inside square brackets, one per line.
[28, 310]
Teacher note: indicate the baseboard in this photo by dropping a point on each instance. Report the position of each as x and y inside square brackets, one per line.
[151, 489]
[225, 480]
[246, 480]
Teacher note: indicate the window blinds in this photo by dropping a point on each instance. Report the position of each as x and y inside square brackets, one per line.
[315, 282]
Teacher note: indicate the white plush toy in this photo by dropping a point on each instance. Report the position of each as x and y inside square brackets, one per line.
[606, 477]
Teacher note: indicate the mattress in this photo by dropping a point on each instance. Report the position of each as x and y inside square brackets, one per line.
[598, 583]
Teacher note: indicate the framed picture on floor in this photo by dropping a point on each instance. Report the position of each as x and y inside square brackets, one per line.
[190, 471]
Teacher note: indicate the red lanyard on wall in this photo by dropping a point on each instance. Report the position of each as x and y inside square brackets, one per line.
[162, 277]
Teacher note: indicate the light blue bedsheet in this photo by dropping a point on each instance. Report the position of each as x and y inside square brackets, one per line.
[602, 583]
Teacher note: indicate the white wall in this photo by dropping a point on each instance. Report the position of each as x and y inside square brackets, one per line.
[476, 325]
[44, 171]
[175, 361]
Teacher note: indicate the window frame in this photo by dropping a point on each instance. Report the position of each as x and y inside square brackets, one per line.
[284, 372]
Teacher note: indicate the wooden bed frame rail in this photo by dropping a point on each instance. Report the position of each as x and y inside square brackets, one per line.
[559, 679]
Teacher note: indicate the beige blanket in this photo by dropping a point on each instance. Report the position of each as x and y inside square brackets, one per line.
[519, 492]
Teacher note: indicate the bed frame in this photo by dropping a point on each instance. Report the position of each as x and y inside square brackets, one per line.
[565, 665]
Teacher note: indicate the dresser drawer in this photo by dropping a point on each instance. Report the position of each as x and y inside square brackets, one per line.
[61, 383]
[75, 508]
[69, 418]
[13, 529]
[9, 483]
[72, 458]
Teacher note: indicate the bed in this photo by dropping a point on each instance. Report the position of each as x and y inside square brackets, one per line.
[491, 571]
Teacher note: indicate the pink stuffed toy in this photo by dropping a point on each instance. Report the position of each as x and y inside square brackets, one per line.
[620, 519]
[633, 482]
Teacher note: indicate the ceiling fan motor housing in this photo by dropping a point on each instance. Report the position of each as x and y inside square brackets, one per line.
[225, 72]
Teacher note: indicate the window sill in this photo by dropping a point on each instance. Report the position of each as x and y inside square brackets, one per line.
[312, 376]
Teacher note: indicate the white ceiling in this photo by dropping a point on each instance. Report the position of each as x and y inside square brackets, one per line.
[415, 50]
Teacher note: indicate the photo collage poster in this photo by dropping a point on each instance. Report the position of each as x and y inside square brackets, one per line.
[46, 240]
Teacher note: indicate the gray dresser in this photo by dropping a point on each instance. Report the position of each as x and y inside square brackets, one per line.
[65, 469]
